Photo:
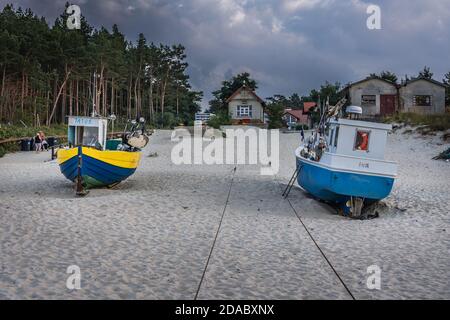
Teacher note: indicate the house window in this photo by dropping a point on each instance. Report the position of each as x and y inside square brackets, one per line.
[362, 140]
[244, 111]
[368, 100]
[422, 101]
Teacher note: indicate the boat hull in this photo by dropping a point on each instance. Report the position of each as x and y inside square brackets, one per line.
[97, 168]
[339, 186]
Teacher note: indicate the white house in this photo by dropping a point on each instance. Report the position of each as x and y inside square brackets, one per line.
[244, 106]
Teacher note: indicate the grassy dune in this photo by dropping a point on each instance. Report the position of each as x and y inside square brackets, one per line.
[433, 122]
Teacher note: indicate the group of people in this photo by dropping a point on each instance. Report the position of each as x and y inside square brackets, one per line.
[40, 143]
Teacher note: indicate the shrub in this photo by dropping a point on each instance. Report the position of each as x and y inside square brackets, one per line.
[7, 131]
[14, 131]
[167, 120]
[298, 127]
[275, 111]
[220, 119]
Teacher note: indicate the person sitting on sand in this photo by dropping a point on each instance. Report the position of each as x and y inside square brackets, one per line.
[44, 142]
[38, 143]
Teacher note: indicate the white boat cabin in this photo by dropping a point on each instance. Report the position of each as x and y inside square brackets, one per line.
[358, 146]
[357, 138]
[88, 131]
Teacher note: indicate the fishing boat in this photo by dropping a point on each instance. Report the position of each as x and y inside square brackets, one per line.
[91, 160]
[344, 161]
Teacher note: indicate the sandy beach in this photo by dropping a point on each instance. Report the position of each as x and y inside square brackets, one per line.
[221, 232]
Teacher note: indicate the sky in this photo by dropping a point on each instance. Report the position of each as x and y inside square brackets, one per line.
[288, 46]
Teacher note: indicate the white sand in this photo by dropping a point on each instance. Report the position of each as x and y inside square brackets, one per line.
[150, 238]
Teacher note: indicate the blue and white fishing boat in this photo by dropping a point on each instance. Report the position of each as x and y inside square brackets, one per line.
[344, 162]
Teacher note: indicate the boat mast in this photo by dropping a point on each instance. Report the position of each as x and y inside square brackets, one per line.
[94, 95]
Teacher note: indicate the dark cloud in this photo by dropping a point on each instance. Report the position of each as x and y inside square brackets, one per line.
[287, 45]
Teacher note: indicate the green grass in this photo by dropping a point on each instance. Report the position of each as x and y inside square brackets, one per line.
[433, 122]
[8, 148]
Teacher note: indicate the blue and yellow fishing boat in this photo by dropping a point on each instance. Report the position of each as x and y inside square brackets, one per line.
[92, 161]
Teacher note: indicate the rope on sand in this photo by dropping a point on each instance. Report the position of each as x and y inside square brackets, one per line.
[321, 251]
[217, 234]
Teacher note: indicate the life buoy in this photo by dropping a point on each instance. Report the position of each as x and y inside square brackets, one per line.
[364, 142]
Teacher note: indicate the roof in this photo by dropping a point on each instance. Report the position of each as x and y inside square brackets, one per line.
[369, 79]
[425, 79]
[244, 87]
[298, 114]
[307, 106]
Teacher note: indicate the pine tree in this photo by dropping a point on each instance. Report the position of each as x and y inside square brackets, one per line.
[426, 73]
[48, 72]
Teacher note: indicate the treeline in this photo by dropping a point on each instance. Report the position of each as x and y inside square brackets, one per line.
[48, 73]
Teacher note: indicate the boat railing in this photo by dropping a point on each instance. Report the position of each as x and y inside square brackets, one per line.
[359, 158]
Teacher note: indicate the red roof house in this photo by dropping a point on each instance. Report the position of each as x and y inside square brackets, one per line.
[295, 117]
[307, 106]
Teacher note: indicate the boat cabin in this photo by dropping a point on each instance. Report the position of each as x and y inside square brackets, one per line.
[88, 131]
[356, 138]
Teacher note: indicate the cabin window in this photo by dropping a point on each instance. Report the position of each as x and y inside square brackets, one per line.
[368, 100]
[362, 140]
[90, 136]
[79, 135]
[330, 140]
[336, 135]
[244, 111]
[422, 101]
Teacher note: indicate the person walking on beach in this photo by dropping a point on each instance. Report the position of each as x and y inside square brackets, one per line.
[38, 143]
[302, 133]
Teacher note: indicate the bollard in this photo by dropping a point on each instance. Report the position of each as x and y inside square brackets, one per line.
[53, 153]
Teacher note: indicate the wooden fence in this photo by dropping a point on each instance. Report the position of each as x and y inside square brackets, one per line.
[11, 140]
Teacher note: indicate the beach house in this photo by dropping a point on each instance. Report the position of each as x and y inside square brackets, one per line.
[380, 97]
[375, 95]
[421, 95]
[244, 106]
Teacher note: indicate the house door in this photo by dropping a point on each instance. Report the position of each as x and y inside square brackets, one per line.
[387, 104]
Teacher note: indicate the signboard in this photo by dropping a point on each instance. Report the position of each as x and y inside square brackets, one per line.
[84, 122]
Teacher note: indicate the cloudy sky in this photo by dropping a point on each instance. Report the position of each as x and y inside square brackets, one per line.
[287, 45]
